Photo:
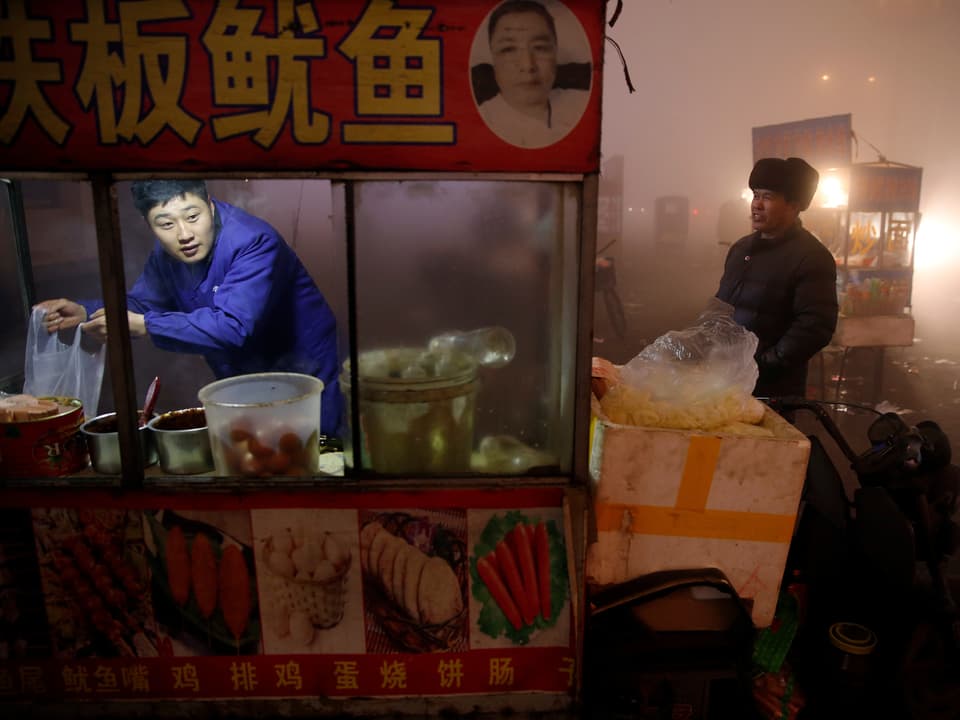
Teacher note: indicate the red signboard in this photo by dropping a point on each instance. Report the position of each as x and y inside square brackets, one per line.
[291, 676]
[273, 594]
[251, 85]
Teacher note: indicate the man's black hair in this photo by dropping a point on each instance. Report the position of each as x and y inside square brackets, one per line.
[513, 7]
[147, 194]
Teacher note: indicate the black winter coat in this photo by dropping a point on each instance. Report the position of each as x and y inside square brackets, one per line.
[785, 291]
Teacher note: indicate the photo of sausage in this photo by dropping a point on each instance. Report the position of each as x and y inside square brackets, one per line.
[520, 588]
[203, 581]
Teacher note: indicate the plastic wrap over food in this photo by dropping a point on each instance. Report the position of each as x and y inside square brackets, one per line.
[701, 377]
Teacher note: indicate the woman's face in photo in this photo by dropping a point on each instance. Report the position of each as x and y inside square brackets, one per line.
[524, 59]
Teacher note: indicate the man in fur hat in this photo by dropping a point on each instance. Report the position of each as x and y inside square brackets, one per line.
[781, 281]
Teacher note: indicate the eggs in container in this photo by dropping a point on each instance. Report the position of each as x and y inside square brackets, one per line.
[264, 424]
[306, 578]
[294, 553]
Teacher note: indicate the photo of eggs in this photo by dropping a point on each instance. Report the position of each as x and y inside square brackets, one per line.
[308, 580]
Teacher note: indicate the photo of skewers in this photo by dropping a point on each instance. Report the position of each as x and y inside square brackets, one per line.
[94, 576]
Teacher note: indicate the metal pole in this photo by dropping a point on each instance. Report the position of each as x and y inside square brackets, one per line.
[119, 350]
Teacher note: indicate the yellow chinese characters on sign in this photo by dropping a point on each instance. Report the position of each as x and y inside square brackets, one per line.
[397, 74]
[241, 62]
[243, 676]
[288, 675]
[31, 680]
[26, 73]
[185, 677]
[347, 675]
[105, 679]
[394, 675]
[150, 67]
[501, 672]
[75, 679]
[451, 673]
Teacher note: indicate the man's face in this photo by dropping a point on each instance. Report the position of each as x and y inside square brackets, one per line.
[770, 213]
[524, 60]
[184, 226]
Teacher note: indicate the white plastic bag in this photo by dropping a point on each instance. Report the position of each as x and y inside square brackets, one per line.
[699, 378]
[54, 367]
[713, 357]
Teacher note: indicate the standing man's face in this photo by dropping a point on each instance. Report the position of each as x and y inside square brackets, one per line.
[524, 60]
[184, 226]
[770, 213]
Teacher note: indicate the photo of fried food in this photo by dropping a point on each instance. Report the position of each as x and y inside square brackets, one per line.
[414, 576]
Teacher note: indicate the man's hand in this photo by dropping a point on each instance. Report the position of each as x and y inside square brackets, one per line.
[61, 314]
[97, 325]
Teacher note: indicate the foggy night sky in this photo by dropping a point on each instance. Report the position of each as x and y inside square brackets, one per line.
[707, 72]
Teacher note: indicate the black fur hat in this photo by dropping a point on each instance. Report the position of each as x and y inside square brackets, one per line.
[794, 178]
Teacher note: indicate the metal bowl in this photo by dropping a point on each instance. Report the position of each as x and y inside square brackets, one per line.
[182, 441]
[103, 443]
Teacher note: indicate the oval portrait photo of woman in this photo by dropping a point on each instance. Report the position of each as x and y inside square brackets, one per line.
[530, 70]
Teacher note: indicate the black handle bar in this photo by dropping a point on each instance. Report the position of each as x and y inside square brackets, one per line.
[786, 404]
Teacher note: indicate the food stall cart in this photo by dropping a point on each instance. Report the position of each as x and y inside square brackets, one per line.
[867, 214]
[875, 262]
[384, 580]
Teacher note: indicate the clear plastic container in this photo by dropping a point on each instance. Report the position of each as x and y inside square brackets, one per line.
[489, 346]
[264, 424]
[417, 410]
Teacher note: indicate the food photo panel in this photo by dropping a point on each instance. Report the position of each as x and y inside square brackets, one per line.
[203, 581]
[309, 580]
[414, 580]
[95, 574]
[520, 588]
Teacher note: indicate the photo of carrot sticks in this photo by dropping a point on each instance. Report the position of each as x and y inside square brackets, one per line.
[520, 580]
[519, 541]
[487, 569]
[511, 573]
[541, 544]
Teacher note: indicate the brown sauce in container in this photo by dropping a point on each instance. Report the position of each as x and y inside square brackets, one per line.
[189, 419]
[104, 425]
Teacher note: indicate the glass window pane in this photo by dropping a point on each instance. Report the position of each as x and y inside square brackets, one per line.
[41, 437]
[13, 330]
[447, 257]
[239, 306]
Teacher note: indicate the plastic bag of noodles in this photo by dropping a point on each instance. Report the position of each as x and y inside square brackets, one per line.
[698, 378]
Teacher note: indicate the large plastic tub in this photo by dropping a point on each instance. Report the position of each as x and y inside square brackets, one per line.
[264, 424]
[417, 410]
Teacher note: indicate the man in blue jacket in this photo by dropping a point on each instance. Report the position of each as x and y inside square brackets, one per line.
[223, 284]
[781, 280]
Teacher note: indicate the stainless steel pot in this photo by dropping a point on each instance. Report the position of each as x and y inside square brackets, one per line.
[183, 442]
[103, 443]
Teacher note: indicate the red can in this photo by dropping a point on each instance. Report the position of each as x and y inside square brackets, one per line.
[48, 447]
